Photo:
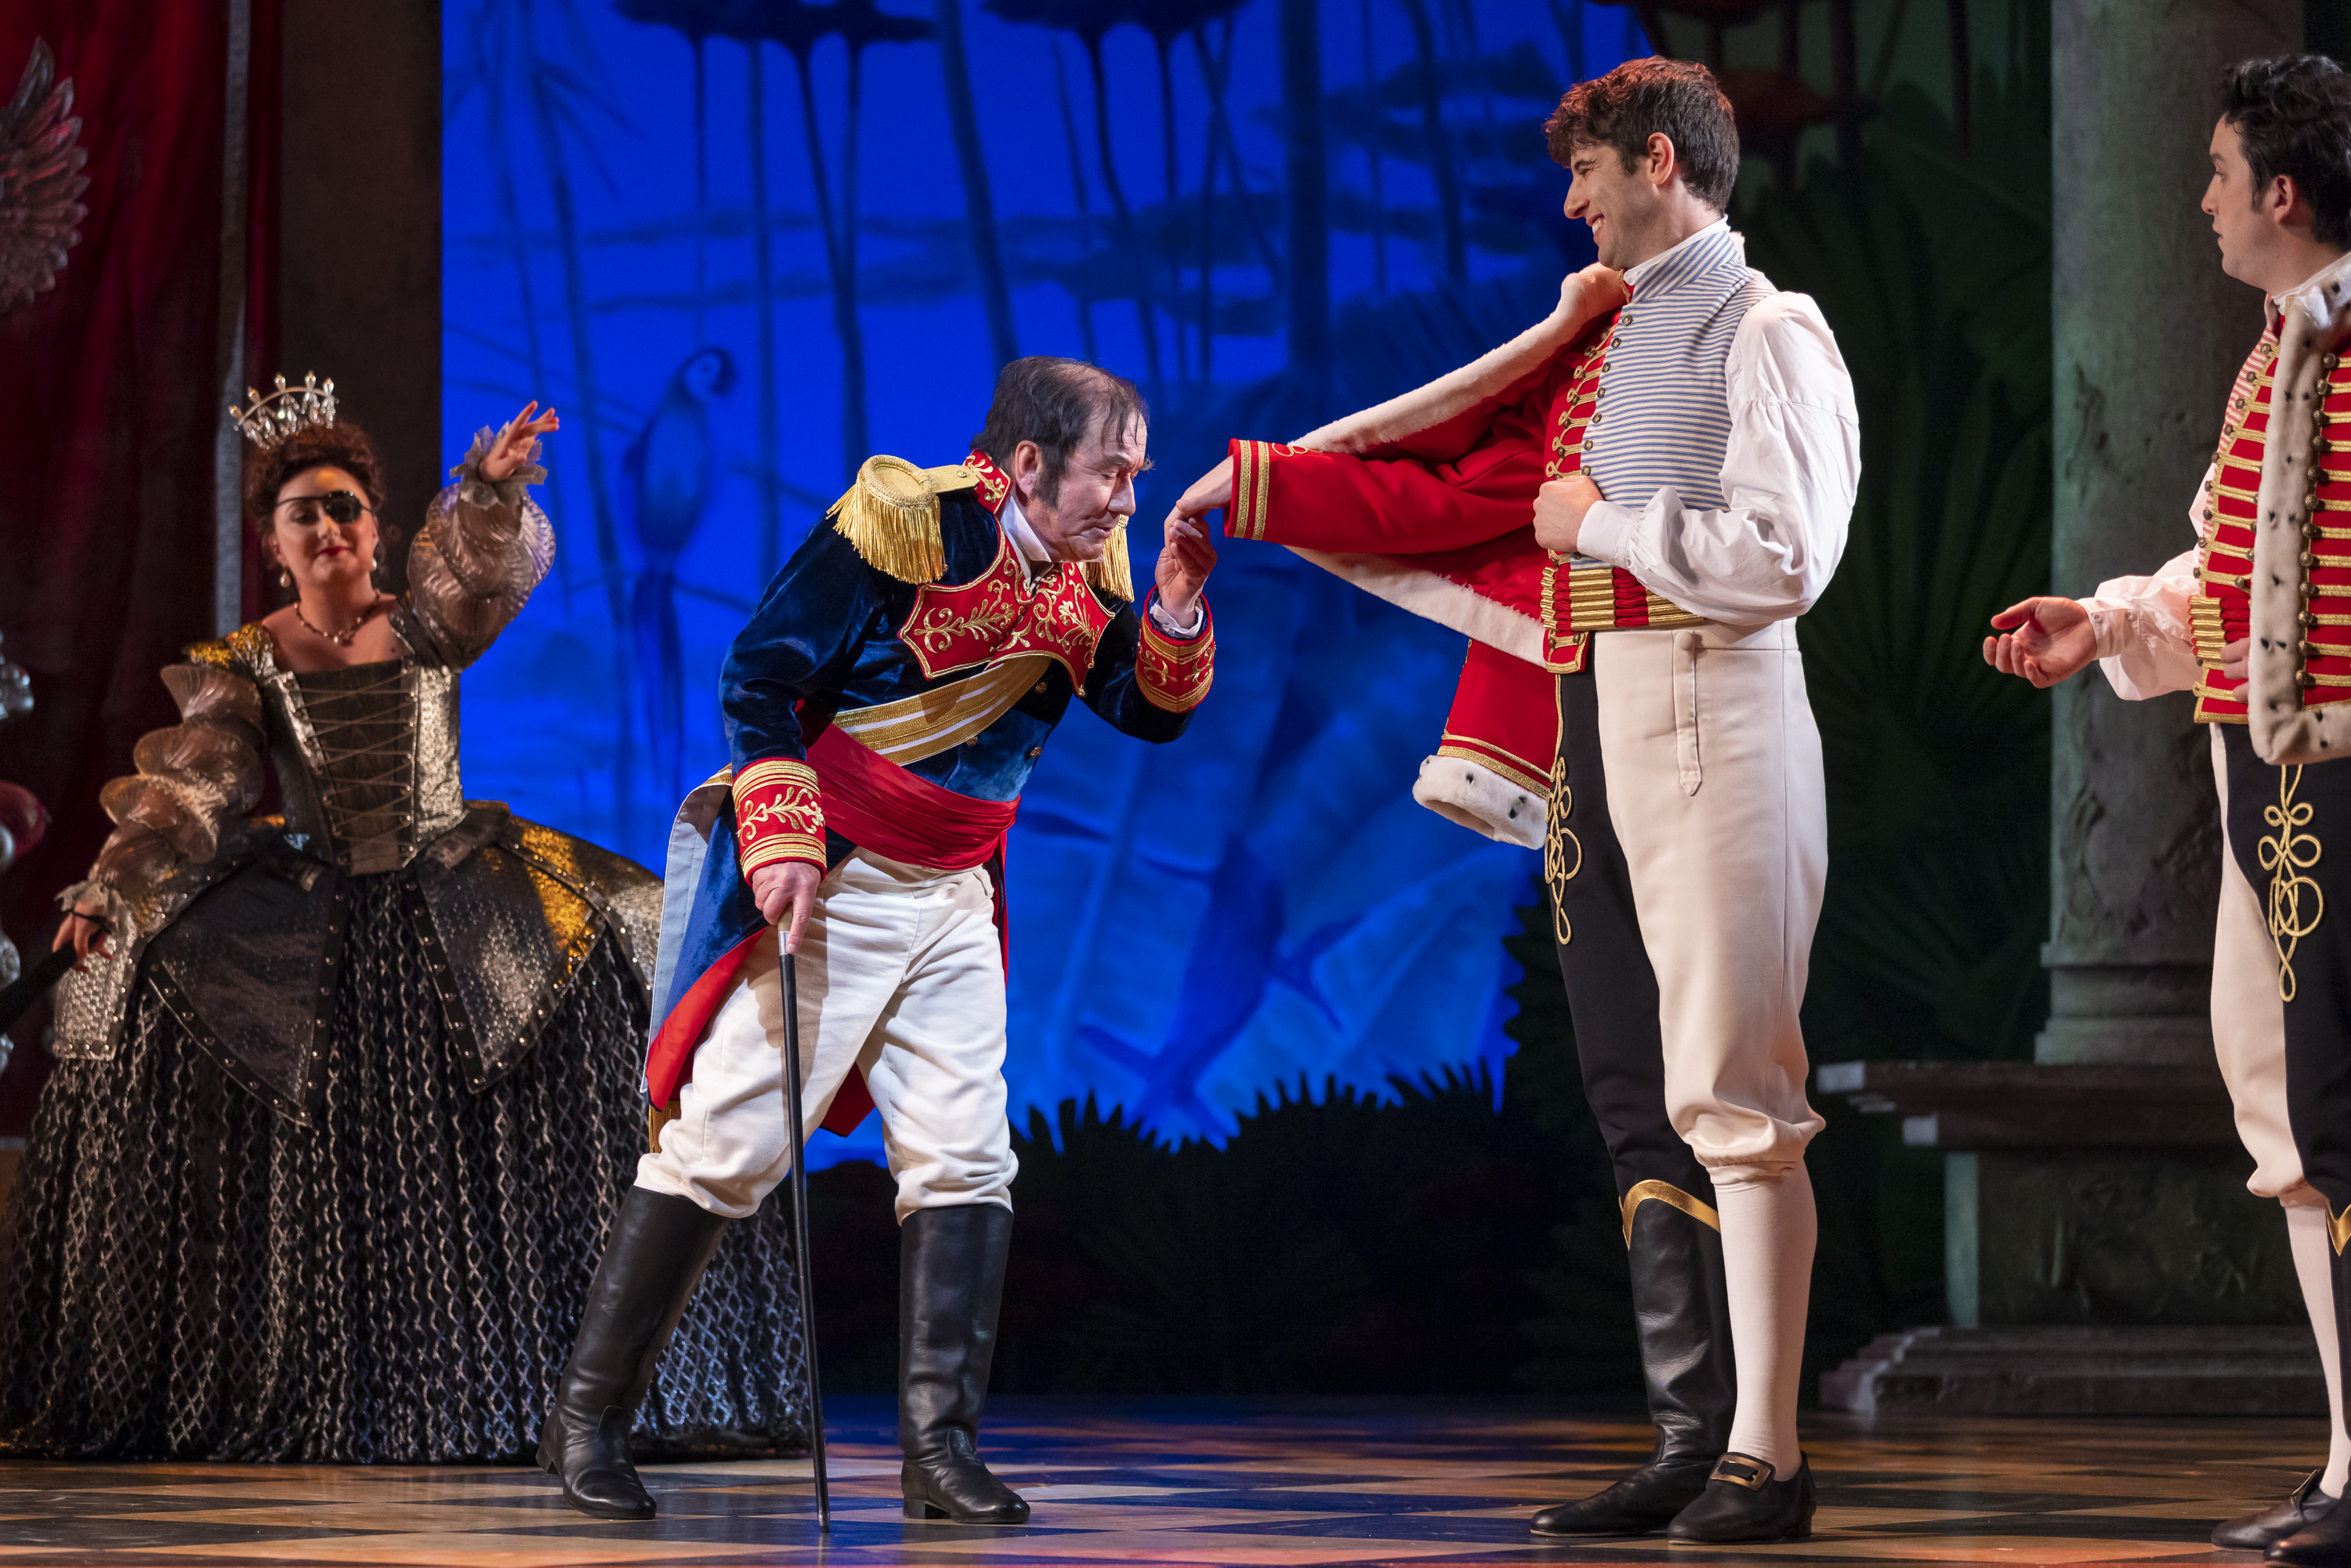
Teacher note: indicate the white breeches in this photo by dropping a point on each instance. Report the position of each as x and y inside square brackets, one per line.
[1716, 794]
[900, 975]
[2249, 1021]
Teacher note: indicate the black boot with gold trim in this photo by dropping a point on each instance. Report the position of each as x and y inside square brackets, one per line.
[1745, 1501]
[1683, 1316]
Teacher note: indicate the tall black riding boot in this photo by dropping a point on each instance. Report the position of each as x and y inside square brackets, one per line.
[659, 1248]
[2325, 1540]
[950, 1281]
[1681, 1310]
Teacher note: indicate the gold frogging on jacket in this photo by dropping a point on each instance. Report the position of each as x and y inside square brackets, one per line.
[2285, 856]
[889, 515]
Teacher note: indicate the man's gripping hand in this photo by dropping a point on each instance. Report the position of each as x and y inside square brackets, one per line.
[1560, 508]
[786, 891]
[2044, 640]
[1185, 562]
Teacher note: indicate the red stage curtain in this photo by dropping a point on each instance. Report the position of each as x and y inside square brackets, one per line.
[107, 409]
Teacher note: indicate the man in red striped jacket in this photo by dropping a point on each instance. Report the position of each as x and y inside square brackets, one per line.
[884, 708]
[2255, 619]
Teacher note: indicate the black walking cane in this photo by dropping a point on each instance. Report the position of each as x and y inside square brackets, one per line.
[801, 1235]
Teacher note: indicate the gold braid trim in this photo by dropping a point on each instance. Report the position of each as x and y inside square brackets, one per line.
[2285, 856]
[1666, 1192]
[1559, 839]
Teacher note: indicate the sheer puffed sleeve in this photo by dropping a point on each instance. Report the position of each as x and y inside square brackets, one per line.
[195, 780]
[483, 547]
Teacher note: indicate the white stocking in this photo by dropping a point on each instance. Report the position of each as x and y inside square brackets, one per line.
[1769, 1229]
[2313, 1259]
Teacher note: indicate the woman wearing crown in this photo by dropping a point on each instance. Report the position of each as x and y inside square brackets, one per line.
[341, 1094]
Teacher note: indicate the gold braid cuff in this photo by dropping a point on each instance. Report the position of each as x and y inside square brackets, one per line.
[1666, 1193]
[1175, 675]
[776, 814]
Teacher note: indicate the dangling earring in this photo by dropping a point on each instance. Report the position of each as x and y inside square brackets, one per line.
[285, 578]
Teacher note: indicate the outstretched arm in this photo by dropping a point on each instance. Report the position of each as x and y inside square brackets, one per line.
[2044, 640]
[484, 545]
[1384, 506]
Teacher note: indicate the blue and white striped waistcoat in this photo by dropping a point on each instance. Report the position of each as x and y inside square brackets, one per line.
[1664, 415]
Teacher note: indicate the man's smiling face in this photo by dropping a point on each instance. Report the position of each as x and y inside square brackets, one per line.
[1617, 204]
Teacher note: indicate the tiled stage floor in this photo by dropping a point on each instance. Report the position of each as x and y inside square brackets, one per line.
[1184, 1482]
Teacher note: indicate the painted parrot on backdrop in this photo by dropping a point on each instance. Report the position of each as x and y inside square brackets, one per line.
[671, 477]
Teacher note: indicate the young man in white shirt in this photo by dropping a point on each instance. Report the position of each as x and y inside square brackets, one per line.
[1639, 496]
[2255, 619]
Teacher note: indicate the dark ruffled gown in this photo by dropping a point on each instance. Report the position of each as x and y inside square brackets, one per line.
[333, 1140]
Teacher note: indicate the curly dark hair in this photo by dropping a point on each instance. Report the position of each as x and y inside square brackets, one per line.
[2293, 115]
[1640, 99]
[340, 445]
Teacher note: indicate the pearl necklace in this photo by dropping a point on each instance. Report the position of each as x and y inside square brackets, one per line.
[341, 639]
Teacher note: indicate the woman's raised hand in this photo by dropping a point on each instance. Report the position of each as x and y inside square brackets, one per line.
[511, 450]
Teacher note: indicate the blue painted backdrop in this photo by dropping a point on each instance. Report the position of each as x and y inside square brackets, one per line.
[735, 242]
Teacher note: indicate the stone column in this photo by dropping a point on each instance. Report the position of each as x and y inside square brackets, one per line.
[2148, 332]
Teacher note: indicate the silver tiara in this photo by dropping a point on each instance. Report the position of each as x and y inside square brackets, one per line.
[268, 421]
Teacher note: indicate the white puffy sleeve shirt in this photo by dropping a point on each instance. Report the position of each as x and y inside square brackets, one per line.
[2145, 645]
[1789, 472]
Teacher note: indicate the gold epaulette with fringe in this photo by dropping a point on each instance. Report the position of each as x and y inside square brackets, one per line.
[891, 516]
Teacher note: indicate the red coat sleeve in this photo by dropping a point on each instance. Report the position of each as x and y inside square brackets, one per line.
[1394, 506]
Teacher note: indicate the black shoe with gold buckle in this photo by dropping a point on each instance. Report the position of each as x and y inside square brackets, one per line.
[1742, 1503]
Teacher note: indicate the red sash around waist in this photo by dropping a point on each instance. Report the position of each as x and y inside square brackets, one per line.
[877, 805]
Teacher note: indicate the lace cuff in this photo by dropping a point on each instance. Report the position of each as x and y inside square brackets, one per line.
[507, 495]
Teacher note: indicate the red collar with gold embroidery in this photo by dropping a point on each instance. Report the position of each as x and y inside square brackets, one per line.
[1000, 614]
[993, 484]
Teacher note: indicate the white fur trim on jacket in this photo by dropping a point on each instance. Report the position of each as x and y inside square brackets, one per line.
[2284, 732]
[1480, 799]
